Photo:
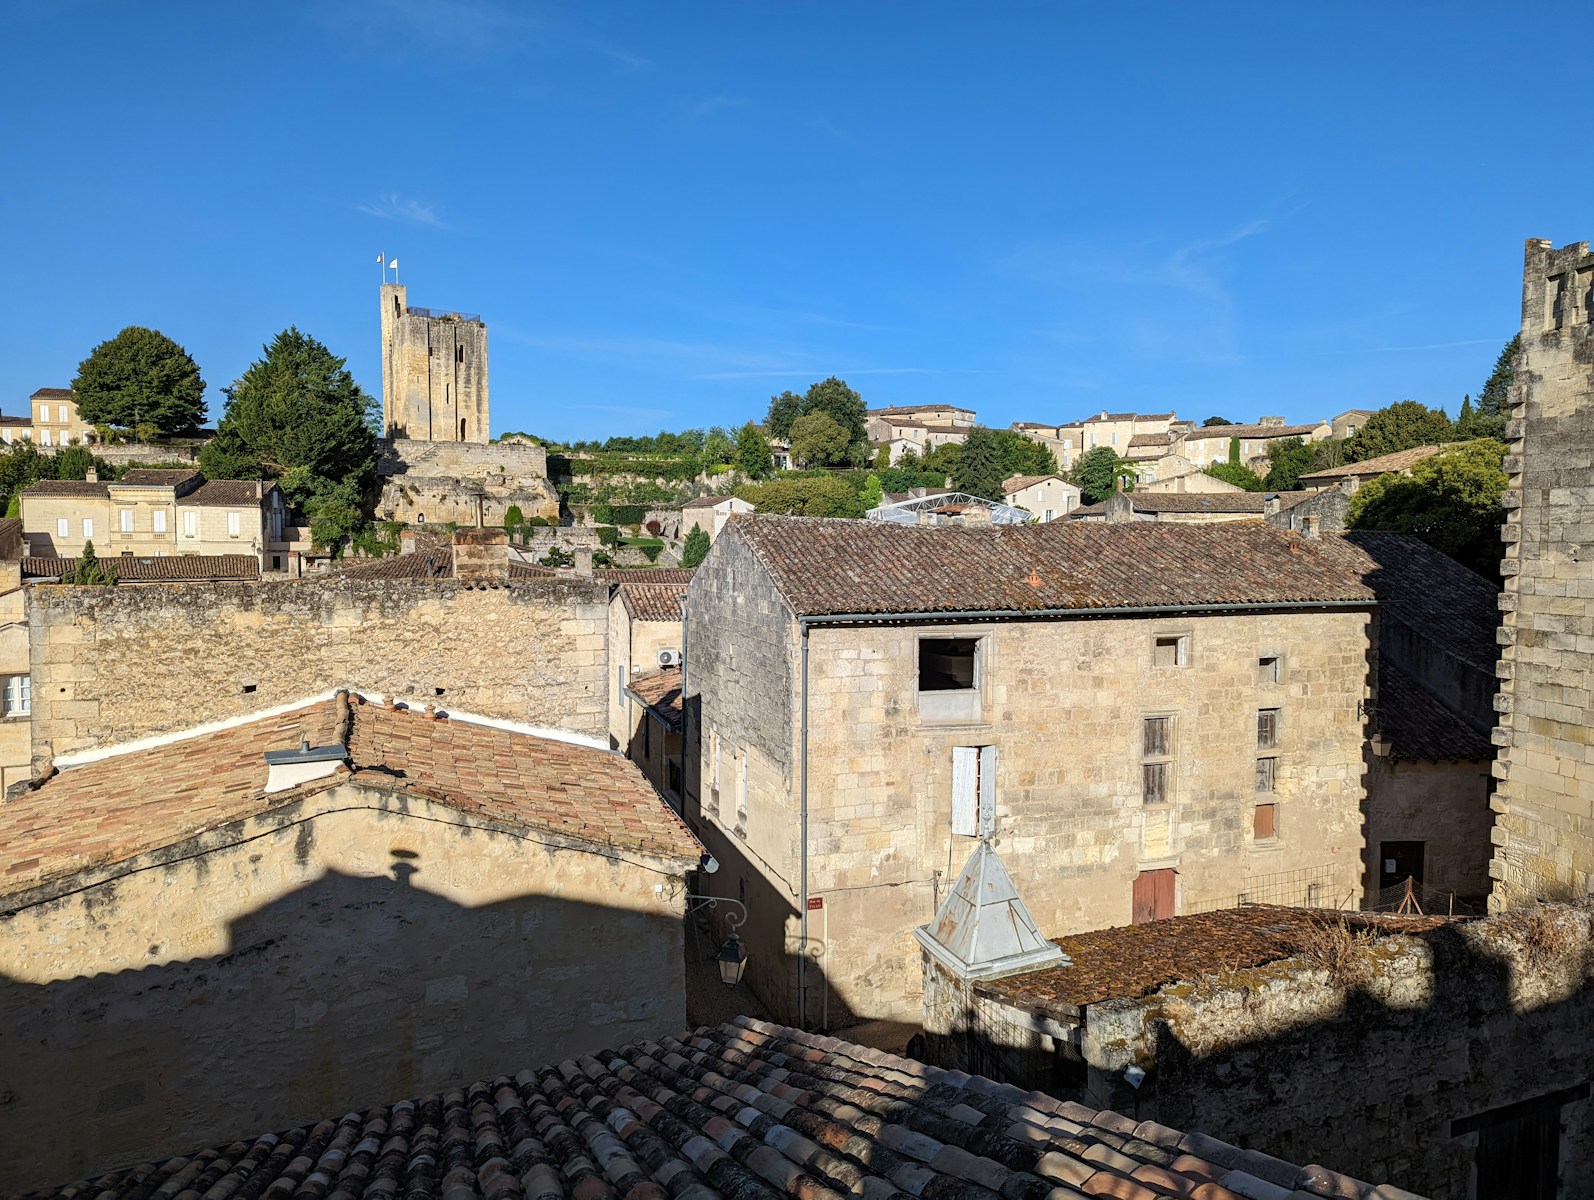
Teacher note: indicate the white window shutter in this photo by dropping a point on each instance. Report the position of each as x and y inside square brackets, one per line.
[965, 801]
[987, 790]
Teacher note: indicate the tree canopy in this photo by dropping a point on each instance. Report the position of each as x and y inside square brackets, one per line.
[980, 470]
[140, 378]
[1211, 421]
[298, 407]
[818, 496]
[1240, 476]
[784, 409]
[695, 549]
[1488, 416]
[842, 405]
[818, 440]
[1451, 501]
[1096, 474]
[1399, 426]
[753, 458]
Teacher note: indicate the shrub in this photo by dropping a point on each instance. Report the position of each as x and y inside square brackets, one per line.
[696, 548]
[654, 528]
[651, 551]
[557, 556]
[608, 535]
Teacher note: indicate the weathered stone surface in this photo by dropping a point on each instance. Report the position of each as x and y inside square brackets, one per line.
[114, 664]
[1545, 830]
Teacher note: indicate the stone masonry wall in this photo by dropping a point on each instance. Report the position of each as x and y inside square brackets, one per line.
[1368, 1067]
[114, 664]
[1446, 806]
[1544, 834]
[1063, 703]
[335, 954]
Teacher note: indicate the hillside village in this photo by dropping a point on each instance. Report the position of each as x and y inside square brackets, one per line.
[859, 801]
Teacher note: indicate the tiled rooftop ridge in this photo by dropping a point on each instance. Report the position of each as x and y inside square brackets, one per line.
[749, 1111]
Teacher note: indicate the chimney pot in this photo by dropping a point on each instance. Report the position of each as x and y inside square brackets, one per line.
[93, 476]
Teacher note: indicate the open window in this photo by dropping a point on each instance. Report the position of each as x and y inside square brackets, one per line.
[950, 671]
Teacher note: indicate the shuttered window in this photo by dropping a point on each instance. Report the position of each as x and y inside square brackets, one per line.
[1267, 728]
[973, 790]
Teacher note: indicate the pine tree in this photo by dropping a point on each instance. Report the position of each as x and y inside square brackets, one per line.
[695, 549]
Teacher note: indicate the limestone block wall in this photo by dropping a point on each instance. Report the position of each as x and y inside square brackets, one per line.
[434, 373]
[16, 729]
[436, 482]
[114, 664]
[634, 650]
[1064, 704]
[1382, 1069]
[336, 954]
[1544, 833]
[1446, 806]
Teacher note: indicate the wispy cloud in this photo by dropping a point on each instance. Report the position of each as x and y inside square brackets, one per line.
[1435, 346]
[394, 207]
[713, 104]
[401, 27]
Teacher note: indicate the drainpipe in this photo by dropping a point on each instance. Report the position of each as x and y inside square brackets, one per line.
[802, 900]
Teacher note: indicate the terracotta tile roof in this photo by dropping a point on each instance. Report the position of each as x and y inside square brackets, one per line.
[429, 562]
[520, 570]
[916, 408]
[705, 502]
[227, 493]
[1150, 439]
[825, 566]
[52, 394]
[1136, 960]
[660, 692]
[1447, 603]
[1418, 726]
[749, 1111]
[1400, 460]
[158, 476]
[170, 568]
[1019, 482]
[1205, 432]
[67, 487]
[10, 526]
[652, 601]
[17, 422]
[680, 575]
[113, 809]
[1100, 417]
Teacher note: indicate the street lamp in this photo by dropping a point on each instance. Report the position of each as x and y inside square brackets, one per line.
[732, 960]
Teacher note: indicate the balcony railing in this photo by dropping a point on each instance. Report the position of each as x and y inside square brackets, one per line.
[438, 314]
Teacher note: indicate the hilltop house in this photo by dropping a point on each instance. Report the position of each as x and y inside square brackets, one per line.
[864, 699]
[1049, 497]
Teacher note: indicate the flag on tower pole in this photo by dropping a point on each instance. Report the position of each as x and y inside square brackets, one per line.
[394, 265]
[381, 259]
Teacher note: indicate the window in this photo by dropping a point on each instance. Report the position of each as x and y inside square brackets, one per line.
[190, 524]
[64, 418]
[973, 790]
[88, 527]
[1264, 822]
[276, 562]
[18, 694]
[127, 520]
[1172, 650]
[232, 524]
[1268, 669]
[158, 520]
[44, 436]
[1400, 861]
[1267, 728]
[741, 793]
[948, 664]
[1156, 744]
[619, 683]
[1266, 774]
[459, 354]
[61, 529]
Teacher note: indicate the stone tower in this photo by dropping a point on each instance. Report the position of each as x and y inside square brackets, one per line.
[434, 372]
[1544, 828]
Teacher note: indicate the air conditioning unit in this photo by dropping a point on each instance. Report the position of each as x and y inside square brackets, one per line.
[669, 658]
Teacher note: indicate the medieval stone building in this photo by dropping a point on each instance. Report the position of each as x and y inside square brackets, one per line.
[434, 372]
[1545, 831]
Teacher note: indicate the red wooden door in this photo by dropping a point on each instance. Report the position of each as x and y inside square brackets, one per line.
[1153, 896]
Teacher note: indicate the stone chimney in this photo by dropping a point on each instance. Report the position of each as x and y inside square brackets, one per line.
[93, 476]
[583, 560]
[1270, 504]
[407, 538]
[481, 554]
[976, 514]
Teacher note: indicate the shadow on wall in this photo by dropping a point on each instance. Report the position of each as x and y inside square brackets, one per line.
[1470, 1077]
[348, 992]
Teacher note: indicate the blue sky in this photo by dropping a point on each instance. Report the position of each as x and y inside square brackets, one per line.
[666, 212]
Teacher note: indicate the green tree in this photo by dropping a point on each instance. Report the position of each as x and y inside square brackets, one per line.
[820, 496]
[980, 469]
[842, 405]
[1242, 477]
[140, 377]
[1211, 421]
[818, 440]
[1494, 401]
[1451, 501]
[753, 458]
[1288, 459]
[784, 410]
[1022, 455]
[1399, 426]
[695, 549]
[513, 517]
[89, 571]
[873, 494]
[1097, 472]
[299, 407]
[717, 447]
